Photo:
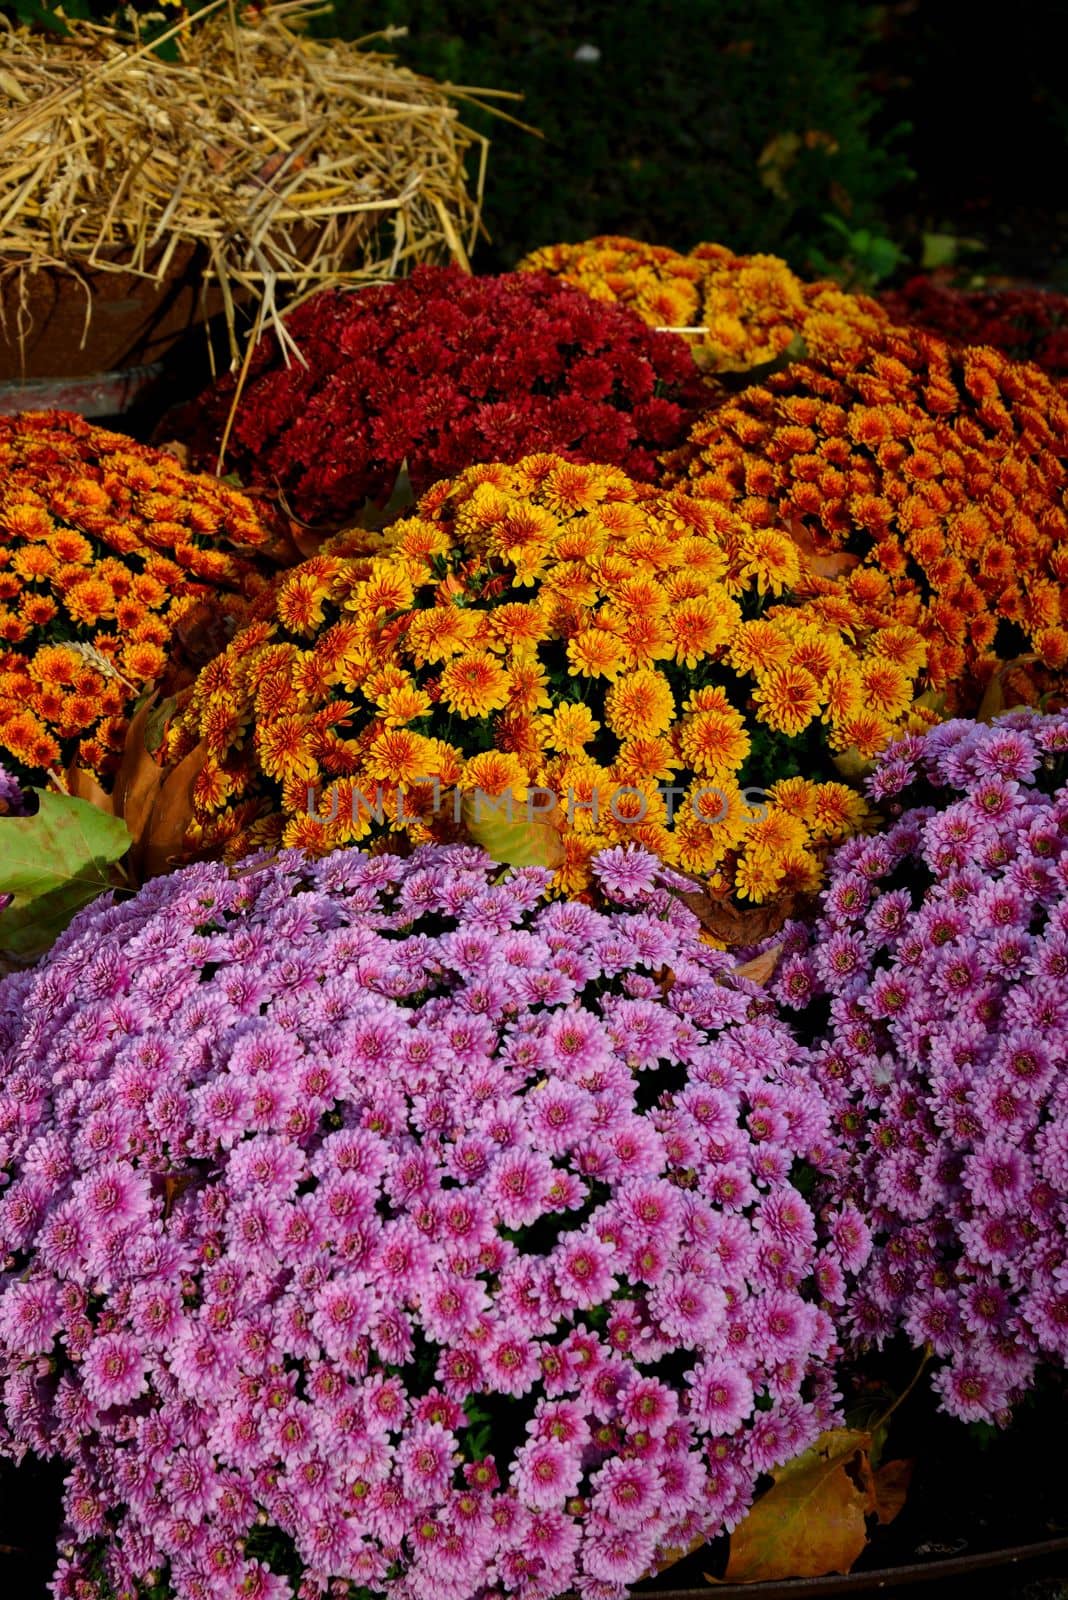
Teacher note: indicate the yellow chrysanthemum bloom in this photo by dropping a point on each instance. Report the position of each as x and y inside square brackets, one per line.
[640, 704]
[737, 311]
[569, 729]
[578, 640]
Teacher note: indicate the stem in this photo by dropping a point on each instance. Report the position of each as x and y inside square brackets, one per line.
[913, 1381]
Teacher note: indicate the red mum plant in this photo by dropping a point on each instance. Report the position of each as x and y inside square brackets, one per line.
[441, 371]
[1029, 324]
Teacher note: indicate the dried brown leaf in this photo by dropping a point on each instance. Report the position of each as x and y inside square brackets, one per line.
[736, 926]
[139, 778]
[83, 786]
[760, 969]
[891, 1487]
[163, 842]
[204, 631]
[997, 696]
[824, 562]
[812, 1521]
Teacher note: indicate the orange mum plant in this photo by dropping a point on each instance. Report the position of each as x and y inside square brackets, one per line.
[742, 311]
[621, 658]
[108, 553]
[926, 483]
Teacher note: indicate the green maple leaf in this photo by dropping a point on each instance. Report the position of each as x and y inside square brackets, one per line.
[52, 864]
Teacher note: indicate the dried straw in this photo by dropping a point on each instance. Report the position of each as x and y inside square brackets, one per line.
[288, 162]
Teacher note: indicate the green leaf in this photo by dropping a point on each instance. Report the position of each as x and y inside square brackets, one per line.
[516, 834]
[52, 864]
[939, 250]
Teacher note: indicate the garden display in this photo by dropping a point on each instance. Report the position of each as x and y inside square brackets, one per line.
[142, 189]
[533, 865]
[555, 630]
[108, 553]
[927, 480]
[436, 373]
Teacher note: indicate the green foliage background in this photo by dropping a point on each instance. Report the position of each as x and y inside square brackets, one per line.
[661, 136]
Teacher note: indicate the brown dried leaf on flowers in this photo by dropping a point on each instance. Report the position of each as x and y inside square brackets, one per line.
[737, 927]
[1009, 681]
[164, 839]
[813, 1519]
[822, 559]
[83, 786]
[760, 969]
[139, 778]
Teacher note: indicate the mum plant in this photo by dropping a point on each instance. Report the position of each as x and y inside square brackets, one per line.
[737, 311]
[933, 987]
[1028, 324]
[436, 372]
[116, 565]
[369, 1222]
[929, 481]
[556, 628]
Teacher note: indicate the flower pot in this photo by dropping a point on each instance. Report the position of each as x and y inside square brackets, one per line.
[1023, 1561]
[58, 323]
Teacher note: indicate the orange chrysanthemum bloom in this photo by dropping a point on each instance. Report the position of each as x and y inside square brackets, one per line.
[127, 572]
[738, 311]
[924, 485]
[615, 681]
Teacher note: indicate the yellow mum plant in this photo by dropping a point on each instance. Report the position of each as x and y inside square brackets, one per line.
[556, 637]
[741, 311]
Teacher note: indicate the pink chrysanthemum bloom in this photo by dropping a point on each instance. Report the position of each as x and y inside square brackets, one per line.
[392, 1218]
[933, 990]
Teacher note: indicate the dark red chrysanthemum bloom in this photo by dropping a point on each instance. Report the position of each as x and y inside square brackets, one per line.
[444, 370]
[1029, 324]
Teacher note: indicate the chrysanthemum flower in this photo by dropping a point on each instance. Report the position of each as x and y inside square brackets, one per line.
[642, 685]
[1028, 324]
[356, 1208]
[925, 486]
[934, 989]
[441, 370]
[737, 311]
[118, 571]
